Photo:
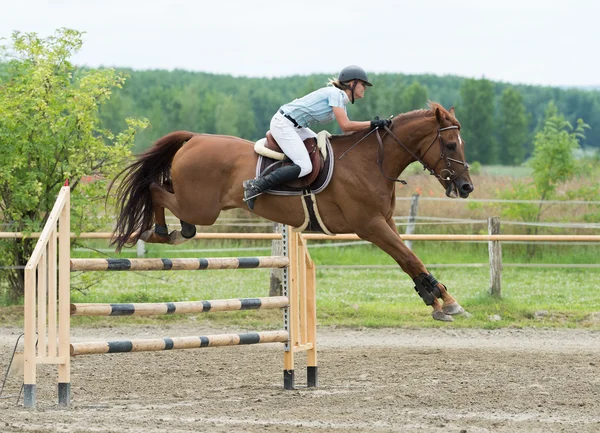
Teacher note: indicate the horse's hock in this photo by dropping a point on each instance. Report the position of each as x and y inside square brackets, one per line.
[48, 308]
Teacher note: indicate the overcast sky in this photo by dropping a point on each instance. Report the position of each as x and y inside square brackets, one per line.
[544, 42]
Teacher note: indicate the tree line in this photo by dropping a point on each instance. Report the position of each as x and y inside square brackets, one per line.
[499, 120]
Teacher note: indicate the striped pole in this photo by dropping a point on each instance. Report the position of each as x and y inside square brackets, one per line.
[178, 264]
[157, 344]
[150, 309]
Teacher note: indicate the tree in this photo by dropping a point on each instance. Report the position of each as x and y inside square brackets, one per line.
[553, 161]
[476, 114]
[513, 124]
[415, 97]
[226, 116]
[50, 131]
[553, 164]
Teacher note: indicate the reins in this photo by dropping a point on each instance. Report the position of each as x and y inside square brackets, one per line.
[355, 144]
[452, 175]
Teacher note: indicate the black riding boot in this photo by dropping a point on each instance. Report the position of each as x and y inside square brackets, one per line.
[255, 187]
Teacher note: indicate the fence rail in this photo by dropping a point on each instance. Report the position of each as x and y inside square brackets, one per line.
[346, 237]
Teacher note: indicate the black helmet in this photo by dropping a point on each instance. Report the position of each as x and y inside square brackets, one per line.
[354, 72]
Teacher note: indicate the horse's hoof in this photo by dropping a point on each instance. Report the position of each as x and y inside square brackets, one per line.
[441, 316]
[453, 309]
[151, 237]
[176, 238]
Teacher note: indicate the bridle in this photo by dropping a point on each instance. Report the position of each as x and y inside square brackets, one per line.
[446, 175]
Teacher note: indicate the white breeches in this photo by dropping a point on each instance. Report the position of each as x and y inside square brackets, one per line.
[290, 139]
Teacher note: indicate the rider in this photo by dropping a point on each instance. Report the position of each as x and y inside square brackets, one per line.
[289, 126]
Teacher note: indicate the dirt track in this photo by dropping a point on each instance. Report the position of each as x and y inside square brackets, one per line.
[370, 381]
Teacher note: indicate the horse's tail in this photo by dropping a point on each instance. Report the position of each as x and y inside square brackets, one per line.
[134, 200]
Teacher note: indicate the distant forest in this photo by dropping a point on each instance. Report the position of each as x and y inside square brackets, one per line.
[498, 120]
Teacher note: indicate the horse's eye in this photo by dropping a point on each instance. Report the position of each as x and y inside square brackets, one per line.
[451, 146]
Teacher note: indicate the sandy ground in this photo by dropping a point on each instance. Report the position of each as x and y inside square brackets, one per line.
[439, 380]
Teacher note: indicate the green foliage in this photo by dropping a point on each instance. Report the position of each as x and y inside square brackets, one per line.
[415, 97]
[197, 101]
[50, 131]
[475, 168]
[476, 114]
[553, 164]
[520, 190]
[512, 127]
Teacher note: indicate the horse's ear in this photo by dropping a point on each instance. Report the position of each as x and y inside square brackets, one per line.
[438, 116]
[451, 111]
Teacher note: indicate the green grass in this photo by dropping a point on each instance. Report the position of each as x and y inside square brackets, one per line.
[362, 253]
[361, 297]
[371, 297]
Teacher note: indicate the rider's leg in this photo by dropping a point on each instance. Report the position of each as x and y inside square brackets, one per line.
[254, 187]
[289, 140]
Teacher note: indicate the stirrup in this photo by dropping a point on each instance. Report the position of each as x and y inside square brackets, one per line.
[248, 190]
[247, 199]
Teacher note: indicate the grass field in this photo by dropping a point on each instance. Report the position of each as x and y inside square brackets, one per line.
[356, 296]
[382, 297]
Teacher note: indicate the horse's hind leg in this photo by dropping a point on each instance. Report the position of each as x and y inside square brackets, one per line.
[160, 233]
[161, 199]
[188, 230]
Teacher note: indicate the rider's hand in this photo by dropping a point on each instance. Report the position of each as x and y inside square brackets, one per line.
[380, 123]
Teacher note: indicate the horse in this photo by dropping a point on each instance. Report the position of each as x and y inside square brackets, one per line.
[196, 176]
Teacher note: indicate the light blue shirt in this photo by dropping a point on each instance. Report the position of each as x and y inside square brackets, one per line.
[316, 107]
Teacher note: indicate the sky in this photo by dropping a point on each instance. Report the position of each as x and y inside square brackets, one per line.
[537, 42]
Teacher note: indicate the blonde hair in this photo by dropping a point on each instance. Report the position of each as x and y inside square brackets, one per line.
[337, 83]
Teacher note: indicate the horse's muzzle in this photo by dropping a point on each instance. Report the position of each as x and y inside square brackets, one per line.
[459, 188]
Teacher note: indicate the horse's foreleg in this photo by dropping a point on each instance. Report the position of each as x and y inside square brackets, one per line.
[449, 306]
[385, 235]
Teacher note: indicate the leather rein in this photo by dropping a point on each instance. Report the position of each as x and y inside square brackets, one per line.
[446, 174]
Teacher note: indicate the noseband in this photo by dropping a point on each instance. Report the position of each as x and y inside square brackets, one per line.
[446, 174]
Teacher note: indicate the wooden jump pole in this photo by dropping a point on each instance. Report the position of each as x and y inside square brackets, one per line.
[157, 344]
[178, 264]
[149, 309]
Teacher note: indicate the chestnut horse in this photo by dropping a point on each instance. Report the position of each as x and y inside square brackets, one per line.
[196, 176]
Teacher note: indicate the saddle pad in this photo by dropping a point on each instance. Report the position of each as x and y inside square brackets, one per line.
[266, 165]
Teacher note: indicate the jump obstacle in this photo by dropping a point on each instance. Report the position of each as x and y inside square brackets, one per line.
[48, 308]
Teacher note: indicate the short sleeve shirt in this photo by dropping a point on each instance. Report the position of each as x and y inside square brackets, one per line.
[316, 107]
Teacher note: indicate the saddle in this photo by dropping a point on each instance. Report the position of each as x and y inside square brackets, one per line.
[321, 156]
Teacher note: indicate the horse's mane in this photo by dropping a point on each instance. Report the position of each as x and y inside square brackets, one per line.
[415, 114]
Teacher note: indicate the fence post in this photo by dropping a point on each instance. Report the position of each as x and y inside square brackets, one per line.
[495, 252]
[276, 273]
[410, 227]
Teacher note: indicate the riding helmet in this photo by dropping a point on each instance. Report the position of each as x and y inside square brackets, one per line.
[354, 72]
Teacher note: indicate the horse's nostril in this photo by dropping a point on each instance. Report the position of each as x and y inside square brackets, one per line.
[467, 187]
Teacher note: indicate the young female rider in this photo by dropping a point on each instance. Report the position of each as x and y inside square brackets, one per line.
[290, 127]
